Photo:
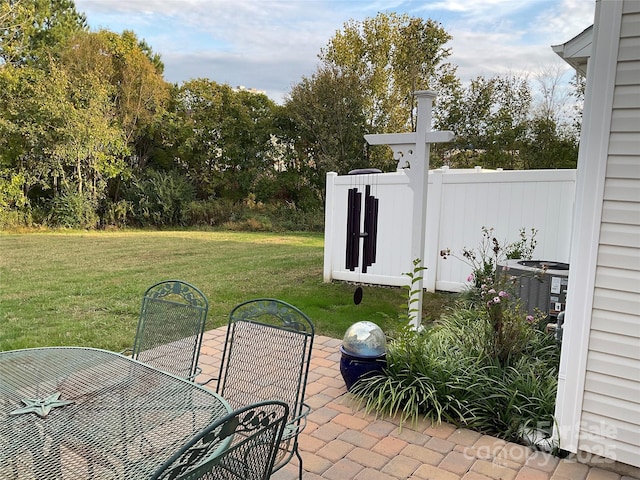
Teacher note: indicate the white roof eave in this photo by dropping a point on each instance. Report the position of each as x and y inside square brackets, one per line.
[576, 51]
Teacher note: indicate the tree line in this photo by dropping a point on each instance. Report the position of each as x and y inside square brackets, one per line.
[91, 135]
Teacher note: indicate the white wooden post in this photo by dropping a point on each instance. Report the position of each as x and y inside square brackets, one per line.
[329, 227]
[412, 152]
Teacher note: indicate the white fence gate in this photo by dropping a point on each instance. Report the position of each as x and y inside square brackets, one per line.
[459, 203]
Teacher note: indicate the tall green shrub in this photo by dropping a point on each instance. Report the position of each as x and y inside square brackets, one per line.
[159, 198]
[213, 212]
[72, 209]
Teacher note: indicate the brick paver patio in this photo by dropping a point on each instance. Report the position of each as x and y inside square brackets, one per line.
[341, 442]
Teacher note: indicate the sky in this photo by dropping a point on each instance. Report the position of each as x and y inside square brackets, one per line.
[271, 45]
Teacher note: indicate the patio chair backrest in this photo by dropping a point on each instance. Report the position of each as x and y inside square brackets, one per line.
[266, 355]
[241, 446]
[170, 327]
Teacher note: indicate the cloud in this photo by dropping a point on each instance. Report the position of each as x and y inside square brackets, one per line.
[270, 45]
[265, 45]
[235, 70]
[505, 37]
[489, 54]
[564, 20]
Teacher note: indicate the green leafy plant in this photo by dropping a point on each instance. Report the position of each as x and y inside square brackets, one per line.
[483, 364]
[115, 214]
[415, 276]
[447, 373]
[484, 259]
[510, 325]
[160, 198]
[73, 209]
[494, 290]
[524, 247]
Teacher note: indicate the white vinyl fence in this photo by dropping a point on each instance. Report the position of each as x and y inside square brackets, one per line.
[459, 203]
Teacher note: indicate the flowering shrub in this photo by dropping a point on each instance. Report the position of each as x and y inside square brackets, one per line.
[493, 290]
[511, 326]
[484, 261]
[483, 364]
[447, 372]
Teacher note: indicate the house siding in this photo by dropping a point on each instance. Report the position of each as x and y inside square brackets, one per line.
[611, 403]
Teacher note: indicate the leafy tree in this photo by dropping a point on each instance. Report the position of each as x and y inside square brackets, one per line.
[60, 131]
[393, 56]
[365, 84]
[88, 138]
[74, 105]
[248, 145]
[31, 30]
[23, 132]
[328, 113]
[490, 120]
[503, 122]
[199, 107]
[69, 118]
[85, 145]
[548, 145]
[12, 198]
[155, 58]
[225, 138]
[138, 92]
[553, 130]
[291, 181]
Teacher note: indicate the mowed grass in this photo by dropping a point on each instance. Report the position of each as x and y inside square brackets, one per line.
[85, 288]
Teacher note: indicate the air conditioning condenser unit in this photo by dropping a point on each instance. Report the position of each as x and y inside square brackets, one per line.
[541, 285]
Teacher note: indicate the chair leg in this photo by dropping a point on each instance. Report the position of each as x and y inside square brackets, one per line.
[299, 462]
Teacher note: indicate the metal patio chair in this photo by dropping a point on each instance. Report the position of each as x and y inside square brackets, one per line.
[266, 356]
[241, 446]
[170, 328]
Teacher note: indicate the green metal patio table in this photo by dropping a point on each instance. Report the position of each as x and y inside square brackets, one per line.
[79, 413]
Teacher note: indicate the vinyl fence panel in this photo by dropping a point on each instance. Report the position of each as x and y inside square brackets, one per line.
[460, 202]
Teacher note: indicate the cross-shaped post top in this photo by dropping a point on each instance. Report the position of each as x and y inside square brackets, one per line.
[404, 145]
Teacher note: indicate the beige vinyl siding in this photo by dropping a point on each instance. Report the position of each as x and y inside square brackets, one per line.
[616, 442]
[614, 322]
[627, 73]
[625, 121]
[621, 167]
[611, 403]
[618, 257]
[616, 429]
[619, 212]
[616, 386]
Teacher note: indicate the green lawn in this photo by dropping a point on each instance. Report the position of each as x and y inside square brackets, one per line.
[84, 288]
